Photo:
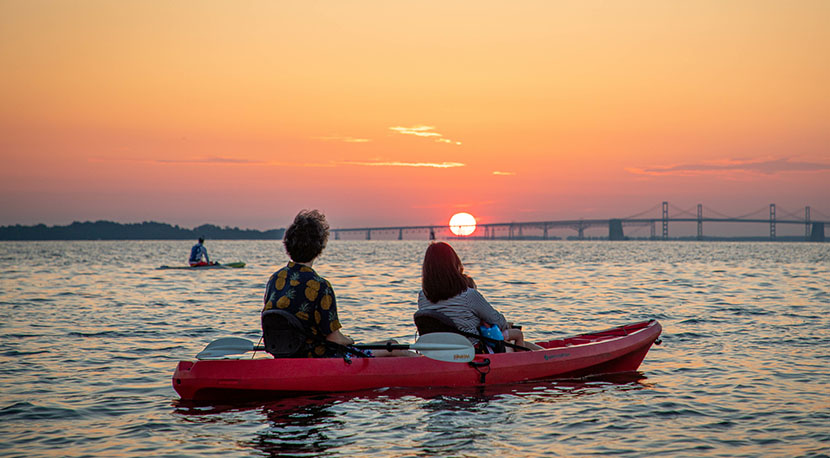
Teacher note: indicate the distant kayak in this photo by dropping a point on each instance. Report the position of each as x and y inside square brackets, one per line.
[229, 265]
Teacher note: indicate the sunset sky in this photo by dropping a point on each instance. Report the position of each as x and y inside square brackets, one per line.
[241, 113]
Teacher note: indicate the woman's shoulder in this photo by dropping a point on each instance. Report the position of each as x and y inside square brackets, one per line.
[467, 296]
[473, 296]
[471, 293]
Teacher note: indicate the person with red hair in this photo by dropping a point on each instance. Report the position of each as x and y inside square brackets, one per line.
[447, 289]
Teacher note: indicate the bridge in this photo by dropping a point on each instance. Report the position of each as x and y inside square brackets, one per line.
[813, 228]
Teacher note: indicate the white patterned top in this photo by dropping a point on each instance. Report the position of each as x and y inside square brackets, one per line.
[467, 310]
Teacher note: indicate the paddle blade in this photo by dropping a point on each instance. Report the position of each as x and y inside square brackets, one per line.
[225, 347]
[445, 346]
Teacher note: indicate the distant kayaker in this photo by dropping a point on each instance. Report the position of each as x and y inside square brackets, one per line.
[447, 289]
[197, 253]
[298, 289]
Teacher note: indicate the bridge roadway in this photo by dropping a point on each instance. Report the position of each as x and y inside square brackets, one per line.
[814, 230]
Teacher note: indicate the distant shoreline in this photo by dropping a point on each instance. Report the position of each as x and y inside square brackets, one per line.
[108, 230]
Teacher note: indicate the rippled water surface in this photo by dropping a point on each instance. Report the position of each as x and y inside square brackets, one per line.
[90, 333]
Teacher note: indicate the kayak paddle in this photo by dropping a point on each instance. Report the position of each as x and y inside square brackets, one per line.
[441, 346]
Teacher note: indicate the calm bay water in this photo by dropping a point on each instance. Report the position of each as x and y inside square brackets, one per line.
[90, 333]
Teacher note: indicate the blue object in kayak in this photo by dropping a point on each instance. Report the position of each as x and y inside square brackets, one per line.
[492, 332]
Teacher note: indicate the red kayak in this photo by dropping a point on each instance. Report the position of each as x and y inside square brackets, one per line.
[619, 349]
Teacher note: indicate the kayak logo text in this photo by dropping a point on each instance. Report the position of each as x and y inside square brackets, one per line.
[560, 355]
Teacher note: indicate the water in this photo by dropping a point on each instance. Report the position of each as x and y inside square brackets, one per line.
[90, 333]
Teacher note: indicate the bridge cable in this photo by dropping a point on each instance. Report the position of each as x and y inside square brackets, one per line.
[756, 212]
[685, 212]
[643, 213]
[792, 215]
[821, 215]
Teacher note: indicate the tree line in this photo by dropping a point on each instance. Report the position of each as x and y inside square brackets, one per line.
[108, 230]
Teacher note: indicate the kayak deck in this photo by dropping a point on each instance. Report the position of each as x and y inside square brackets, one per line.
[619, 349]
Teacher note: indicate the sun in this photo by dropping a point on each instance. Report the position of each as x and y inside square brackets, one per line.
[462, 224]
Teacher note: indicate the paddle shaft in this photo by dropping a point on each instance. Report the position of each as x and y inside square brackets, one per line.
[389, 346]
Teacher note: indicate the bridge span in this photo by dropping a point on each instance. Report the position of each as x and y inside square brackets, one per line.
[814, 230]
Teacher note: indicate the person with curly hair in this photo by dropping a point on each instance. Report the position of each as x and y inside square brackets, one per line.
[299, 290]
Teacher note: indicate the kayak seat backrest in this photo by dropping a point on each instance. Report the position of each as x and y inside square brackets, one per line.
[283, 334]
[428, 321]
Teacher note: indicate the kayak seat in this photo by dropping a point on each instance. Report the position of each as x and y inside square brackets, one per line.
[428, 321]
[283, 334]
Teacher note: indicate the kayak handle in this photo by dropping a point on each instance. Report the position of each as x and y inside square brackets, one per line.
[478, 365]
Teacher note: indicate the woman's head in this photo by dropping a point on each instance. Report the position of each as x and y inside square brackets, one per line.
[443, 274]
[305, 239]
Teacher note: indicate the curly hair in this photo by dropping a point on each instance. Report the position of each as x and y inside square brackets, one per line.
[305, 239]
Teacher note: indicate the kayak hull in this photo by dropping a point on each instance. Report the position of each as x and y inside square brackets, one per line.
[619, 349]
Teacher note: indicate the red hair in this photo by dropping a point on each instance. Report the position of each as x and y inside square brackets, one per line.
[443, 274]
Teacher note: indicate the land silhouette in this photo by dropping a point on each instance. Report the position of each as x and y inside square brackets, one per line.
[108, 230]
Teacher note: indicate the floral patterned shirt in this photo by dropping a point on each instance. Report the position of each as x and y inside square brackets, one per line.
[298, 289]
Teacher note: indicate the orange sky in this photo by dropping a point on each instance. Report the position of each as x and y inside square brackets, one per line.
[395, 113]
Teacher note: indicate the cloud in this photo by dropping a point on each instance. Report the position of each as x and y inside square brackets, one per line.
[438, 165]
[344, 139]
[496, 172]
[418, 131]
[424, 131]
[727, 166]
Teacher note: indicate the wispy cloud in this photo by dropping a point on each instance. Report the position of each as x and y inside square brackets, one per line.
[418, 131]
[751, 166]
[438, 165]
[344, 139]
[497, 172]
[424, 131]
